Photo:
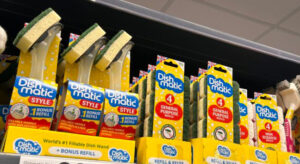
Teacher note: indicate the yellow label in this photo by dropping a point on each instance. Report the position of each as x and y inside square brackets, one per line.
[169, 94]
[212, 151]
[288, 158]
[4, 111]
[267, 122]
[154, 150]
[126, 74]
[220, 103]
[255, 155]
[82, 108]
[32, 103]
[244, 124]
[24, 66]
[120, 115]
[51, 143]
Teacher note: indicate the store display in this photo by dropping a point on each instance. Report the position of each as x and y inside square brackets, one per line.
[80, 104]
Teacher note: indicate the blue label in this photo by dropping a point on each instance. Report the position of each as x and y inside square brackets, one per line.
[219, 86]
[4, 111]
[169, 81]
[90, 114]
[41, 112]
[224, 151]
[27, 147]
[118, 155]
[128, 120]
[294, 160]
[261, 155]
[86, 92]
[169, 150]
[117, 98]
[265, 112]
[243, 109]
[30, 87]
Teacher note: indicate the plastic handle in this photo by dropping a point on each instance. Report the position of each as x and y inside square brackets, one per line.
[288, 130]
[39, 54]
[115, 70]
[86, 62]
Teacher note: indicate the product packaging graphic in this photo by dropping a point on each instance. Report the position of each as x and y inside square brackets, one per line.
[4, 111]
[120, 115]
[169, 95]
[80, 108]
[155, 150]
[32, 103]
[288, 158]
[219, 102]
[212, 151]
[255, 155]
[244, 121]
[51, 143]
[267, 122]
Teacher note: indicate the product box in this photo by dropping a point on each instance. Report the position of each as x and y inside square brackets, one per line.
[32, 103]
[255, 155]
[169, 99]
[216, 102]
[80, 108]
[212, 151]
[4, 111]
[244, 120]
[155, 150]
[120, 115]
[288, 158]
[267, 122]
[51, 143]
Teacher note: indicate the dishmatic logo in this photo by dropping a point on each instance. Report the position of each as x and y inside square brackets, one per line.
[86, 92]
[119, 155]
[224, 151]
[123, 99]
[219, 86]
[28, 147]
[30, 87]
[169, 81]
[169, 150]
[243, 109]
[294, 160]
[261, 155]
[265, 112]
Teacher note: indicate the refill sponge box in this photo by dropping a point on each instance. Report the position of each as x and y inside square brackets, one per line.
[255, 155]
[32, 103]
[154, 150]
[244, 120]
[120, 115]
[216, 105]
[165, 100]
[51, 143]
[80, 108]
[212, 151]
[267, 122]
[288, 158]
[4, 111]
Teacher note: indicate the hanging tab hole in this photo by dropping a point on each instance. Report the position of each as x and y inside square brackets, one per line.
[265, 98]
[170, 64]
[240, 92]
[220, 69]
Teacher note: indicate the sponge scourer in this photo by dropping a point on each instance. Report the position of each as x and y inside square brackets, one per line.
[83, 43]
[30, 34]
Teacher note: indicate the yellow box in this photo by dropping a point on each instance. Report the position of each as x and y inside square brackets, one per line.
[212, 151]
[288, 158]
[244, 120]
[155, 150]
[255, 155]
[50, 143]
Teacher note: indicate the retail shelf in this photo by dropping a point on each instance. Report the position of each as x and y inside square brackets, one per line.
[255, 66]
[29, 159]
